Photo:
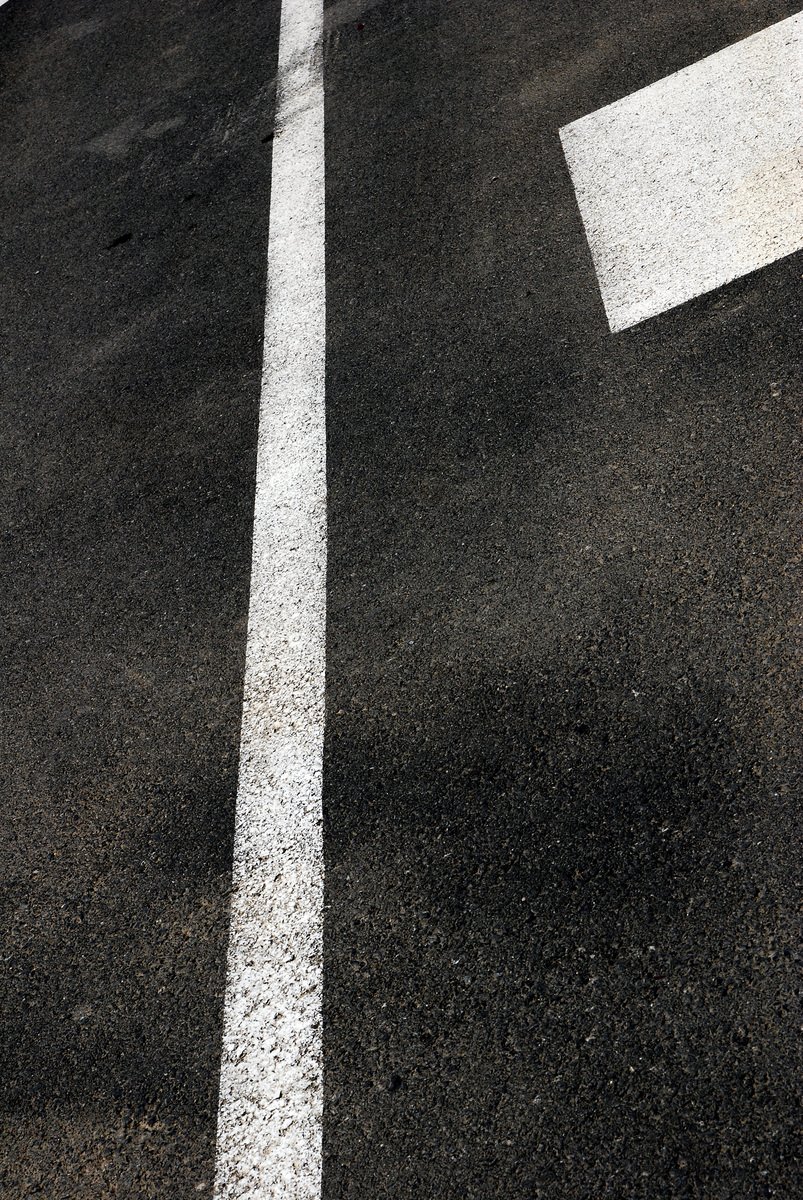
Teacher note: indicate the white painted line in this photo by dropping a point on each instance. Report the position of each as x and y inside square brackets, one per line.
[696, 180]
[269, 1117]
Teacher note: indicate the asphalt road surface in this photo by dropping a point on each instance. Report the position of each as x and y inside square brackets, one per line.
[561, 786]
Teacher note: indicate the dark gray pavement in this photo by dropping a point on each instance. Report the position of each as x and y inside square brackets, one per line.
[135, 190]
[560, 786]
[561, 742]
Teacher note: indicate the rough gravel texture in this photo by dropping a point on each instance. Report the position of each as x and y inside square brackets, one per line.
[561, 803]
[134, 186]
[560, 793]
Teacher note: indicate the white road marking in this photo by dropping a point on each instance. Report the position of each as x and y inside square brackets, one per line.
[269, 1118]
[696, 180]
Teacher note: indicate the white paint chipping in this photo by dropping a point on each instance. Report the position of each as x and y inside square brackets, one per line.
[269, 1118]
[696, 180]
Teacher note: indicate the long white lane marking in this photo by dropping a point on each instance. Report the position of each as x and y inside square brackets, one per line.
[696, 180]
[269, 1117]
